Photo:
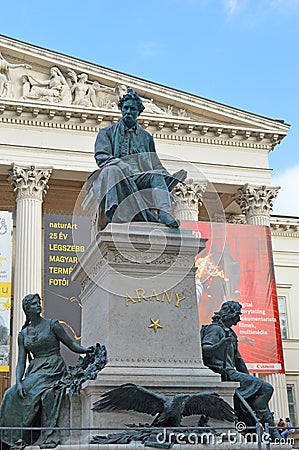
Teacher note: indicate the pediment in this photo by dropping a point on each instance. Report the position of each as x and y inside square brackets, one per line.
[41, 83]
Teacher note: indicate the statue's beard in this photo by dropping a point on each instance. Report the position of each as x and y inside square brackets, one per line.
[129, 121]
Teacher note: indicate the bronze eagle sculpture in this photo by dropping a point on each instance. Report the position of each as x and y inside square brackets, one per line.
[168, 410]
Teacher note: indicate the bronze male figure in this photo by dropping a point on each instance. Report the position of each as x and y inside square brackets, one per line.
[132, 182]
[221, 354]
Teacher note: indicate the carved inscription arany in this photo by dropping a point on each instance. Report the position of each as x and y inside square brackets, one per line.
[166, 296]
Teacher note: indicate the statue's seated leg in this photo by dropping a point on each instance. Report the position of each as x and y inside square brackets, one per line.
[155, 192]
[110, 213]
[259, 403]
[266, 416]
[248, 415]
[168, 219]
[260, 400]
[112, 187]
[244, 411]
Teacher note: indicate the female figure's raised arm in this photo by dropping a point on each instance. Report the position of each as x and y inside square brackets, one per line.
[68, 341]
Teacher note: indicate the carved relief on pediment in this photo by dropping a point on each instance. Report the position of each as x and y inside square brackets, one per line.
[68, 87]
[7, 80]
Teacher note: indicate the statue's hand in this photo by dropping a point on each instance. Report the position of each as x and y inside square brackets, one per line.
[90, 349]
[20, 390]
[125, 167]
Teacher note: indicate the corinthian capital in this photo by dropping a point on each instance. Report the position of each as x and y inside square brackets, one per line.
[187, 197]
[256, 202]
[29, 182]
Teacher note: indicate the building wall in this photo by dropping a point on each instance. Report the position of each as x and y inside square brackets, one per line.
[285, 243]
[217, 144]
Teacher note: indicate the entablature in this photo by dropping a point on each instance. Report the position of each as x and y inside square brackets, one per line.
[42, 88]
[72, 117]
[284, 226]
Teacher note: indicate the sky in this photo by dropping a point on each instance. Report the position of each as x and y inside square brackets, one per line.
[243, 53]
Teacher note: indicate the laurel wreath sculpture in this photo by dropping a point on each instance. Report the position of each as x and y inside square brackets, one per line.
[87, 368]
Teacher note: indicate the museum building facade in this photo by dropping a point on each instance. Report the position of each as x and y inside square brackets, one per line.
[51, 108]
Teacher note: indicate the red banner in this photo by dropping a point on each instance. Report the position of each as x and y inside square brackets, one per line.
[238, 265]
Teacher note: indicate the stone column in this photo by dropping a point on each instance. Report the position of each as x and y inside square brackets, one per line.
[187, 198]
[279, 401]
[29, 185]
[256, 202]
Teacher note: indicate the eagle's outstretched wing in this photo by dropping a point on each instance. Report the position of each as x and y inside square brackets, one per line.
[209, 404]
[131, 397]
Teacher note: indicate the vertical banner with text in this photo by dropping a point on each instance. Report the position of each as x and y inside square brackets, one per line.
[61, 294]
[238, 265]
[6, 229]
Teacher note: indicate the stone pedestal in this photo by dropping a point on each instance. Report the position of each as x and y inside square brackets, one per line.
[138, 296]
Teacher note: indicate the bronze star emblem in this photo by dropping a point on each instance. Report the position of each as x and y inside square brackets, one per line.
[155, 324]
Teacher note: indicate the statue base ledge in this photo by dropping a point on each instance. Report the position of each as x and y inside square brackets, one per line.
[139, 446]
[173, 386]
[200, 378]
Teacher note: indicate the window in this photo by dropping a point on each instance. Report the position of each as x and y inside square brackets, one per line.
[283, 316]
[291, 402]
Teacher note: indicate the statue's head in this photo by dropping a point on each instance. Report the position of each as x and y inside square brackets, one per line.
[229, 313]
[133, 97]
[28, 300]
[24, 79]
[83, 76]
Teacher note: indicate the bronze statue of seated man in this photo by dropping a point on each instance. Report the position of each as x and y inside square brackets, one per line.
[220, 353]
[131, 181]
